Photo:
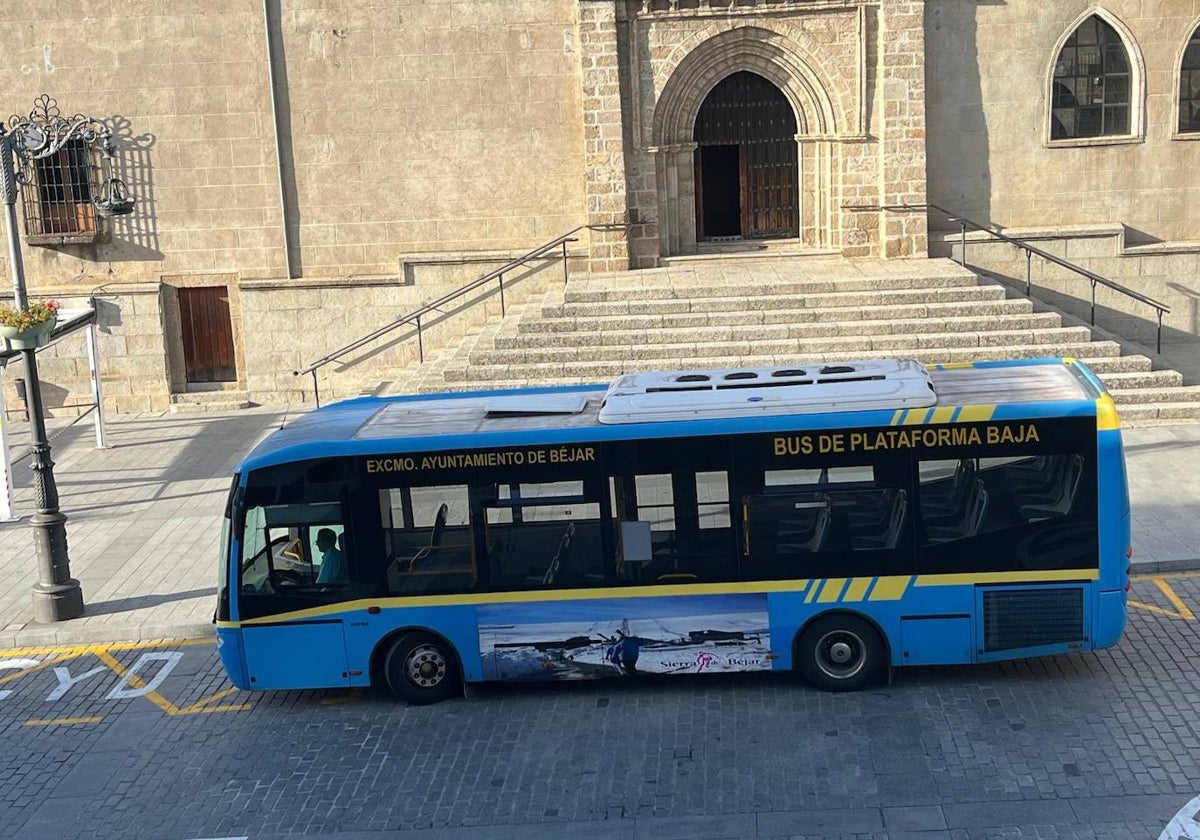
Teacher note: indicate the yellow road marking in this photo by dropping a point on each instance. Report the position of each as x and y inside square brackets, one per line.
[78, 650]
[63, 658]
[137, 682]
[202, 706]
[62, 721]
[199, 708]
[342, 699]
[1181, 609]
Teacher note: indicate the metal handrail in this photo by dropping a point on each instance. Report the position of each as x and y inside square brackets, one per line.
[416, 315]
[964, 223]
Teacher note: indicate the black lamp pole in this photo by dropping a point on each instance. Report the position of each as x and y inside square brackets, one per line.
[56, 596]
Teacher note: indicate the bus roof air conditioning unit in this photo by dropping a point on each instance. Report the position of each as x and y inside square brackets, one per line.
[820, 388]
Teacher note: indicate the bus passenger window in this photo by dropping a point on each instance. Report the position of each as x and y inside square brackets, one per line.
[712, 499]
[1028, 512]
[544, 535]
[644, 508]
[808, 523]
[429, 540]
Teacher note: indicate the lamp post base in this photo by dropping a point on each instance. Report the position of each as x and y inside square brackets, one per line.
[57, 602]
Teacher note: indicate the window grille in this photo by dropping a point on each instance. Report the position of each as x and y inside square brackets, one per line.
[1189, 86]
[58, 200]
[1090, 94]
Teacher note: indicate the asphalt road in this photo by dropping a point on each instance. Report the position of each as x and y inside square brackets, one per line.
[152, 742]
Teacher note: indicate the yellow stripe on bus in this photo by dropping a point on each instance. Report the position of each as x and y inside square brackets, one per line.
[890, 588]
[1106, 413]
[897, 417]
[975, 413]
[974, 578]
[917, 416]
[856, 590]
[831, 591]
[533, 596]
[943, 414]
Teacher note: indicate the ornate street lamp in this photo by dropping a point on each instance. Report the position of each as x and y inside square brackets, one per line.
[23, 142]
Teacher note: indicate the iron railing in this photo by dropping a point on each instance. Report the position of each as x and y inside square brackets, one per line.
[548, 250]
[1030, 251]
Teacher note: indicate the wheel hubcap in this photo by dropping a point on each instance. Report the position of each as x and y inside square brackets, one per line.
[841, 654]
[426, 666]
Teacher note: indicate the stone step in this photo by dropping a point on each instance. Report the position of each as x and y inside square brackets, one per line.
[1103, 366]
[1142, 379]
[1146, 396]
[903, 344]
[774, 332]
[1154, 414]
[198, 401]
[691, 321]
[701, 288]
[743, 304]
[602, 370]
[995, 306]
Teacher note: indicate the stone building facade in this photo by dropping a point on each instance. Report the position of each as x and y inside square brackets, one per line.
[310, 169]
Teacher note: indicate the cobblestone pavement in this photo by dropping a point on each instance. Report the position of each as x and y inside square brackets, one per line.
[149, 741]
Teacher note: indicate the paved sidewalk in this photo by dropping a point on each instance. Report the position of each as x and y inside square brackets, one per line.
[144, 520]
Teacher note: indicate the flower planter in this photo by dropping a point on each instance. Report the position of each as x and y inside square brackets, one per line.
[30, 337]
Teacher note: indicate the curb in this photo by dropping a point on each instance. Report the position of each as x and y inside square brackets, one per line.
[1152, 567]
[37, 636]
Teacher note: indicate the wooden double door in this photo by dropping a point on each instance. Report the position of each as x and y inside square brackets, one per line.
[746, 162]
[207, 325]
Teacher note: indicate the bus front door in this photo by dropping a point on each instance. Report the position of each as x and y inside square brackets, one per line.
[296, 654]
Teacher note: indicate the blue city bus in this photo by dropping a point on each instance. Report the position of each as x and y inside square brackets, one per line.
[834, 519]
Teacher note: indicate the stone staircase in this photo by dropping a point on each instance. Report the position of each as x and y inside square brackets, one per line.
[723, 312]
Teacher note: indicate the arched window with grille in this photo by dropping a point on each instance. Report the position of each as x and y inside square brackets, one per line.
[1189, 86]
[1094, 84]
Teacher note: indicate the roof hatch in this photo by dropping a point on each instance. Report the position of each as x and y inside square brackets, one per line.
[818, 388]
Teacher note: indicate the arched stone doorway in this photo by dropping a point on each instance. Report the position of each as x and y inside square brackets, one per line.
[746, 161]
[768, 61]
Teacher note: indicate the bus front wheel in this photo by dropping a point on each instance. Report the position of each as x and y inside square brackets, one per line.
[841, 653]
[421, 669]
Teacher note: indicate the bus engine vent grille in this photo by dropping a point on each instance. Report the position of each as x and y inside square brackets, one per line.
[1024, 618]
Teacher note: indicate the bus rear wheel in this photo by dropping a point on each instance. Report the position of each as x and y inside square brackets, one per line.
[841, 653]
[421, 669]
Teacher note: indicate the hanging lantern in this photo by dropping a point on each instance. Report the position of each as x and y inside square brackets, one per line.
[112, 198]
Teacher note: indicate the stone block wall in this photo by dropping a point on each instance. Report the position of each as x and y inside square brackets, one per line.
[294, 323]
[989, 69]
[423, 143]
[134, 374]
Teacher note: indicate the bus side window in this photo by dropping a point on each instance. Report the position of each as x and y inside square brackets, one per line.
[806, 523]
[644, 510]
[429, 539]
[544, 535]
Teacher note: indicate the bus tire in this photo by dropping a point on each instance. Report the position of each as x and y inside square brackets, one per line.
[841, 652]
[422, 669]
